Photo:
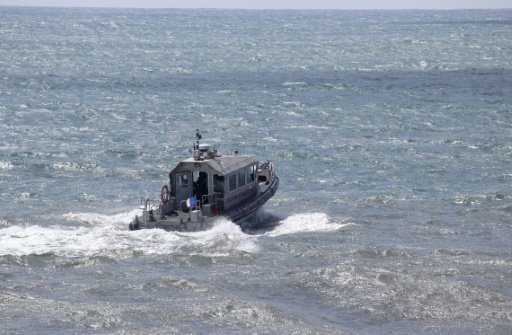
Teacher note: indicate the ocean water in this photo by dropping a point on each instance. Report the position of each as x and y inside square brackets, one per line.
[391, 132]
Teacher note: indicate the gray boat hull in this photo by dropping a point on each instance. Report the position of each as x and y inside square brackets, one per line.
[197, 220]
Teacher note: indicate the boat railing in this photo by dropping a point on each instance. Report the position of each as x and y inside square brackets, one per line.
[266, 172]
[149, 210]
[210, 199]
[149, 203]
[210, 203]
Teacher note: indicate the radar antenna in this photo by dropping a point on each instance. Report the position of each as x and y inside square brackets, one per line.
[197, 152]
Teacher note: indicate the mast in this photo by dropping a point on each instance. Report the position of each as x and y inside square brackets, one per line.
[197, 152]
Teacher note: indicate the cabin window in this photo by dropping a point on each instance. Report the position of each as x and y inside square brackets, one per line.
[232, 182]
[241, 178]
[218, 183]
[183, 180]
[251, 174]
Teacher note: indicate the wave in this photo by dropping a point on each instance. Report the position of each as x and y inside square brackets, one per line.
[306, 223]
[94, 234]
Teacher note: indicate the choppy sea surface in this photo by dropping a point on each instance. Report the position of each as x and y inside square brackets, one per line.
[391, 132]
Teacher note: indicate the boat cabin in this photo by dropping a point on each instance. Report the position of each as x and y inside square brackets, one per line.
[206, 185]
[217, 183]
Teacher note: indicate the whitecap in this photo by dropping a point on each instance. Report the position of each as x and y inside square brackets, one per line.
[306, 222]
[294, 83]
[5, 165]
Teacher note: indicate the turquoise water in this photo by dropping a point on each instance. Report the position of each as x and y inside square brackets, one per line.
[390, 131]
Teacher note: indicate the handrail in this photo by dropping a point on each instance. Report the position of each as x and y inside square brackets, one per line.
[210, 198]
[148, 203]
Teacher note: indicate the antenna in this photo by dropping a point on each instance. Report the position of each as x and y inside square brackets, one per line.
[197, 153]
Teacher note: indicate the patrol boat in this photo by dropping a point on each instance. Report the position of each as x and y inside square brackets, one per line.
[206, 186]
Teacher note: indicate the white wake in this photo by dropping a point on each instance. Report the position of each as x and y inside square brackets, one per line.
[93, 234]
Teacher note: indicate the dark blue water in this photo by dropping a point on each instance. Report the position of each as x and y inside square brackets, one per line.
[390, 130]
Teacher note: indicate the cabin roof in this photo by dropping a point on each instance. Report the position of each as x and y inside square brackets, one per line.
[222, 165]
